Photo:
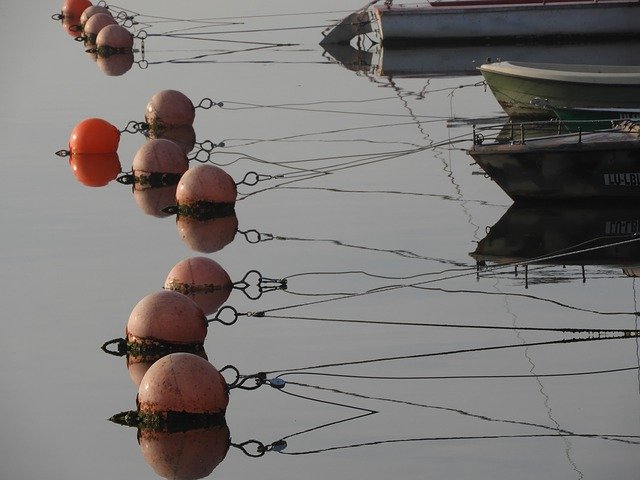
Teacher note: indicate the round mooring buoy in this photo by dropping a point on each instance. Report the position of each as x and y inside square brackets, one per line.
[206, 183]
[159, 156]
[94, 135]
[183, 382]
[114, 39]
[166, 317]
[169, 108]
[201, 279]
[94, 26]
[74, 8]
[93, 10]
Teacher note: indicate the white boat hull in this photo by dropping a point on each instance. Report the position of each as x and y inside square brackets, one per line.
[504, 21]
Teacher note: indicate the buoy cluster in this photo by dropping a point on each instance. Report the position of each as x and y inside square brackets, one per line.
[203, 197]
[106, 41]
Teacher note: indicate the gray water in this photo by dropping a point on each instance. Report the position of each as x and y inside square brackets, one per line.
[386, 240]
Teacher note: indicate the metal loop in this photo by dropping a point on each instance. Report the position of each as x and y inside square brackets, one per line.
[135, 127]
[57, 16]
[143, 64]
[142, 35]
[221, 312]
[260, 448]
[259, 237]
[207, 103]
[82, 39]
[197, 158]
[121, 347]
[252, 178]
[235, 371]
[63, 153]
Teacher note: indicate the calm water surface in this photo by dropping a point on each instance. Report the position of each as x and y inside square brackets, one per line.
[381, 237]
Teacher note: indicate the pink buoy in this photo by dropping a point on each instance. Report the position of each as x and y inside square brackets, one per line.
[201, 279]
[207, 236]
[94, 26]
[114, 39]
[206, 183]
[168, 317]
[183, 382]
[169, 108]
[185, 455]
[159, 156]
[93, 10]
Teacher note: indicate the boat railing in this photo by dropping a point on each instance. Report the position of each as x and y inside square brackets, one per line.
[522, 132]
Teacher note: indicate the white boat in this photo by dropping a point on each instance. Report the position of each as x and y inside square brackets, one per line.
[516, 84]
[468, 20]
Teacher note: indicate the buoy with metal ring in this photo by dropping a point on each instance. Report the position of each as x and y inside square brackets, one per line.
[158, 157]
[166, 317]
[114, 39]
[74, 8]
[94, 26]
[206, 183]
[183, 382]
[169, 108]
[93, 10]
[201, 279]
[94, 135]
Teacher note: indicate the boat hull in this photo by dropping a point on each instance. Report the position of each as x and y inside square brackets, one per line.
[514, 94]
[431, 23]
[602, 170]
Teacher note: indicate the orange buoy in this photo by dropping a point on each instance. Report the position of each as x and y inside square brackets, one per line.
[93, 10]
[184, 136]
[114, 39]
[183, 382]
[74, 8]
[206, 183]
[95, 24]
[159, 156]
[138, 365]
[94, 135]
[185, 455]
[166, 317]
[207, 236]
[169, 108]
[201, 279]
[115, 65]
[95, 169]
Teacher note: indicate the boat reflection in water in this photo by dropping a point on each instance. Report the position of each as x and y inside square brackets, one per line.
[571, 234]
[465, 59]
